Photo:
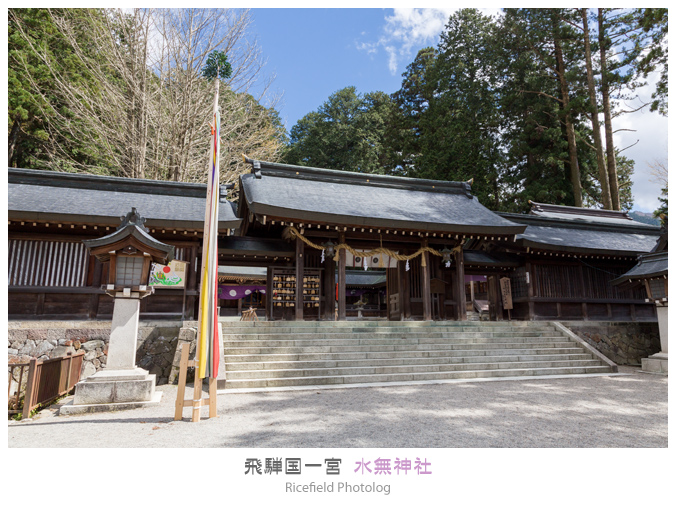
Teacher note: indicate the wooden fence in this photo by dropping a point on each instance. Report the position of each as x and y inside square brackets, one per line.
[46, 380]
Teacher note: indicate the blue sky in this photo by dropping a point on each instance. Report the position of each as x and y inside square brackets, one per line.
[315, 52]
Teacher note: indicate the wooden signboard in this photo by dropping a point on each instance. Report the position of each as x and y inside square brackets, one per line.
[506, 291]
[168, 276]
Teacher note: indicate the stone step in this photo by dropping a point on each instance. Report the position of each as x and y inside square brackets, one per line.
[383, 335]
[449, 347]
[373, 323]
[465, 327]
[376, 341]
[315, 364]
[400, 369]
[229, 358]
[422, 376]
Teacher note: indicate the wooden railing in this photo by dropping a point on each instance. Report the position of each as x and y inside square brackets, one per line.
[46, 380]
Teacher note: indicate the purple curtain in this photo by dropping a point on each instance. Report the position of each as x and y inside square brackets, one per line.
[234, 292]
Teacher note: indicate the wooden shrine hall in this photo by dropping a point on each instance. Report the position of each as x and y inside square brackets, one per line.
[311, 229]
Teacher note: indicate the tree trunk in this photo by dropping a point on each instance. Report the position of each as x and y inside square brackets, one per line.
[13, 136]
[600, 158]
[570, 130]
[607, 116]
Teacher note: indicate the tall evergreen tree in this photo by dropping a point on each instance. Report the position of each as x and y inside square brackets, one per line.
[347, 132]
[460, 137]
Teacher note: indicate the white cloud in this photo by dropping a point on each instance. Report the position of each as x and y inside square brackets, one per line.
[650, 130]
[406, 31]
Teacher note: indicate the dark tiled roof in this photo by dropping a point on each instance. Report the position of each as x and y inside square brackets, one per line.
[226, 272]
[477, 257]
[572, 235]
[85, 198]
[330, 196]
[137, 230]
[363, 278]
[649, 266]
[255, 246]
[584, 215]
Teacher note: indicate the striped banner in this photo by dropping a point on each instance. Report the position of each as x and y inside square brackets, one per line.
[208, 350]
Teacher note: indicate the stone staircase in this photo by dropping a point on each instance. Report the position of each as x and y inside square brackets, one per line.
[283, 354]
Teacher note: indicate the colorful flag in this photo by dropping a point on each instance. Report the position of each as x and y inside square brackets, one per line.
[208, 336]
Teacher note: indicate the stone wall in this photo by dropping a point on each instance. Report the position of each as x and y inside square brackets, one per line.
[625, 343]
[156, 346]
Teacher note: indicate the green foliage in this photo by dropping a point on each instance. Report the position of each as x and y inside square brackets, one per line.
[664, 205]
[217, 66]
[655, 24]
[347, 132]
[460, 126]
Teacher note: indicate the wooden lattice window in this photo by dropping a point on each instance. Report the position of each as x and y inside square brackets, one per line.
[47, 263]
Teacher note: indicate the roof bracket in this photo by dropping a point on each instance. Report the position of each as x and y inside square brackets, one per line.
[256, 169]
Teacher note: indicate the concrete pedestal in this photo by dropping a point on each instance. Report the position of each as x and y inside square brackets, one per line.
[121, 385]
[659, 362]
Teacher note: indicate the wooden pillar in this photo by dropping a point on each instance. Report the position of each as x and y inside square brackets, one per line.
[330, 289]
[192, 283]
[531, 279]
[341, 279]
[269, 290]
[460, 299]
[494, 298]
[426, 287]
[97, 282]
[300, 270]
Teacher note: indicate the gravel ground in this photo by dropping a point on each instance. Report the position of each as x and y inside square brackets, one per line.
[611, 411]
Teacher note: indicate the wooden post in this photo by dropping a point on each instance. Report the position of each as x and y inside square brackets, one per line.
[461, 299]
[197, 402]
[300, 270]
[426, 286]
[341, 280]
[182, 372]
[531, 279]
[29, 396]
[330, 288]
[269, 290]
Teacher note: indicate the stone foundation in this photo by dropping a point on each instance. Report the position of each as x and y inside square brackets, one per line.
[625, 343]
[43, 340]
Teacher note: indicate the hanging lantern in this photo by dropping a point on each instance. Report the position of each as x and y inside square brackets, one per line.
[329, 247]
[446, 256]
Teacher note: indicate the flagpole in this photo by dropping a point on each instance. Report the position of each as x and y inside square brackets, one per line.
[206, 351]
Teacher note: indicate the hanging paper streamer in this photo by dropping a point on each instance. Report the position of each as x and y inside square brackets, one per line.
[208, 347]
[322, 256]
[366, 267]
[407, 266]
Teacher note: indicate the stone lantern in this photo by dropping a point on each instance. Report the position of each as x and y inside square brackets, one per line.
[128, 252]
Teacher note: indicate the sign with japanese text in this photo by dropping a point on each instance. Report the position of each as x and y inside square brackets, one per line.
[506, 291]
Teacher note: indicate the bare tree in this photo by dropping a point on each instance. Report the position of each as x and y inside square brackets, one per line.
[145, 111]
[659, 172]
